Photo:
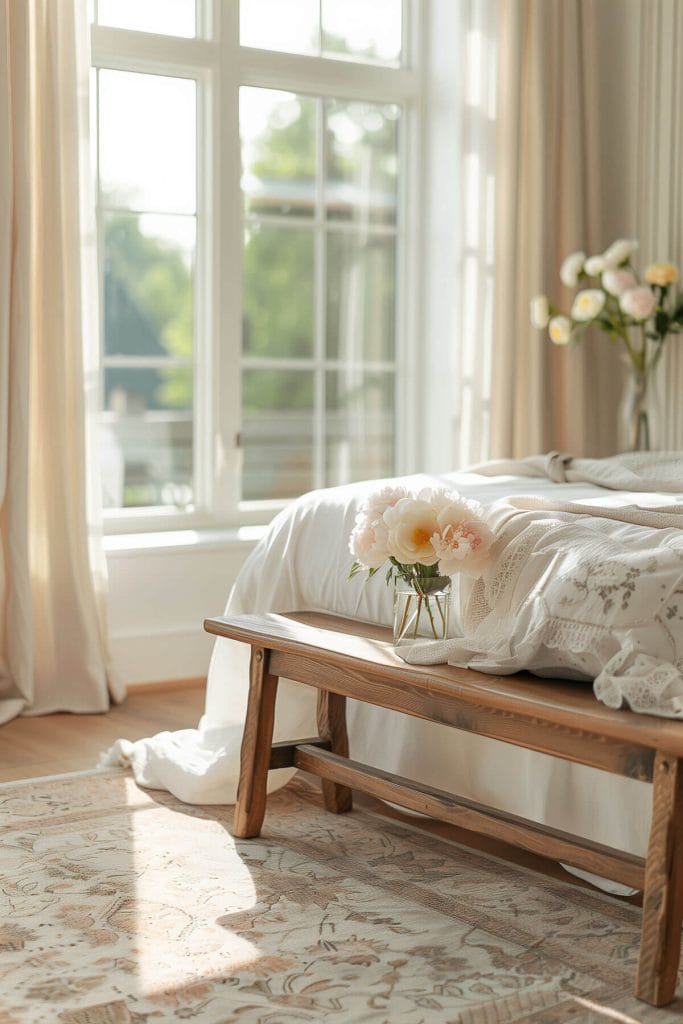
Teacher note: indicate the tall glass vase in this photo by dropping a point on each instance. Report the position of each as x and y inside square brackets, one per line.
[642, 415]
[635, 414]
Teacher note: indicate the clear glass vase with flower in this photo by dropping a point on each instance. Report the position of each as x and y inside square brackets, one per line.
[640, 315]
[426, 537]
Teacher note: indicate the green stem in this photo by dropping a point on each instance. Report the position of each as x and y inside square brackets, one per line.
[404, 620]
[417, 617]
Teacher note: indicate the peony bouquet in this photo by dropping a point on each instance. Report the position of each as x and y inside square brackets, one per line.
[613, 299]
[425, 537]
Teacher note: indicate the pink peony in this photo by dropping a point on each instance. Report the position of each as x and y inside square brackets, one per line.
[638, 302]
[464, 541]
[616, 282]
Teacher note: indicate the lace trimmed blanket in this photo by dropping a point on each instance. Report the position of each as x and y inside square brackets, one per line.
[582, 591]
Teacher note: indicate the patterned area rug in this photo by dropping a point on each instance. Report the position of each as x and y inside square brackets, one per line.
[121, 905]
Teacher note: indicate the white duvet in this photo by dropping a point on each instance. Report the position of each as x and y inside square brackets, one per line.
[303, 561]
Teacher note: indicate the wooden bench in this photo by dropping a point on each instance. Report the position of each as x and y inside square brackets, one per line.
[343, 658]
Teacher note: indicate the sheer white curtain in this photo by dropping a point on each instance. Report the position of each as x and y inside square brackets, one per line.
[53, 648]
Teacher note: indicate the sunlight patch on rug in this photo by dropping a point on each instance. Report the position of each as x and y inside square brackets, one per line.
[158, 918]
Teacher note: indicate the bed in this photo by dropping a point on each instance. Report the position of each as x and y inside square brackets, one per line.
[619, 608]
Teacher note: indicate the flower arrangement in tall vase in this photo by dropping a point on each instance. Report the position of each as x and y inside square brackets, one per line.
[641, 315]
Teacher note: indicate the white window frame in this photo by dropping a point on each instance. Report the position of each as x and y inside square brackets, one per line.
[219, 65]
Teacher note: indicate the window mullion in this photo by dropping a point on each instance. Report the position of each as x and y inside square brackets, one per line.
[319, 432]
[227, 248]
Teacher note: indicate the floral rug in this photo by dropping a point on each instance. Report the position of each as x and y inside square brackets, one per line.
[125, 906]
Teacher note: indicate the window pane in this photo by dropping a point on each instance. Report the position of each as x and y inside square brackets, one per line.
[290, 26]
[366, 31]
[278, 293]
[277, 130]
[361, 318]
[277, 433]
[146, 437]
[147, 132]
[361, 162]
[168, 17]
[351, 29]
[360, 426]
[148, 285]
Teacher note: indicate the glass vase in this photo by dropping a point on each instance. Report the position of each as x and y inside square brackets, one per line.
[635, 419]
[421, 610]
[640, 411]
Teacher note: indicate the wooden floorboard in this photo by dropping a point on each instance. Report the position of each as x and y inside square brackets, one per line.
[52, 744]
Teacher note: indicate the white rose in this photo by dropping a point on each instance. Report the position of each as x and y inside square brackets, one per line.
[411, 524]
[638, 302]
[540, 312]
[616, 282]
[588, 304]
[594, 266]
[571, 268]
[619, 251]
[560, 330]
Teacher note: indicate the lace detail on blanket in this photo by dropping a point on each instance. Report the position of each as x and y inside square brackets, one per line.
[577, 638]
[503, 579]
[642, 682]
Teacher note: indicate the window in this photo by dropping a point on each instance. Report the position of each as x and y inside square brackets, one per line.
[252, 188]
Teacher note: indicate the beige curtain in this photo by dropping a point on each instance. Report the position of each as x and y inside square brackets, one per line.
[564, 180]
[53, 653]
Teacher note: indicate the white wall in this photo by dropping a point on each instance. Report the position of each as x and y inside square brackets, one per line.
[159, 597]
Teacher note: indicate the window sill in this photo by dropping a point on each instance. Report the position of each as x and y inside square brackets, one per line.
[164, 541]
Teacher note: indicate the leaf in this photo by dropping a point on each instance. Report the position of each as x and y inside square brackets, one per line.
[662, 321]
[354, 570]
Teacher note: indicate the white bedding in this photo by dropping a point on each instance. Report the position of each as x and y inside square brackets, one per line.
[302, 563]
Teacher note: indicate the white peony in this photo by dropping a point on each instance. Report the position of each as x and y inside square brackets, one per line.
[540, 312]
[595, 265]
[560, 330]
[368, 543]
[411, 524]
[619, 251]
[376, 504]
[588, 304]
[638, 302]
[571, 269]
[616, 282]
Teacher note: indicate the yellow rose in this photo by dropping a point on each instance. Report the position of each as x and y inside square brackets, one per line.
[661, 274]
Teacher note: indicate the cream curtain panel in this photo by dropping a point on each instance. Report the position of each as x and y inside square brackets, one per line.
[660, 180]
[556, 191]
[53, 653]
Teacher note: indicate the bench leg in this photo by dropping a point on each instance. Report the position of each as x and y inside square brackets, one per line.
[332, 726]
[257, 741]
[660, 942]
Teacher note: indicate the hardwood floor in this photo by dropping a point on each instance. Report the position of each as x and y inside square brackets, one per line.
[53, 744]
